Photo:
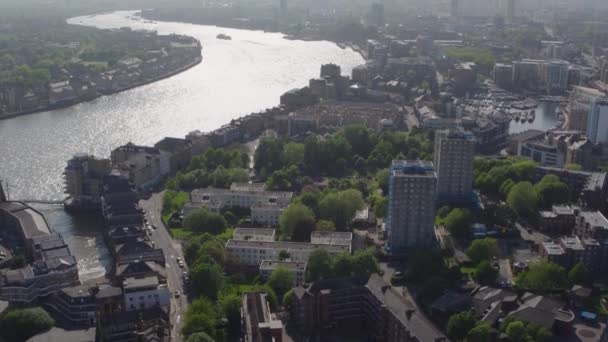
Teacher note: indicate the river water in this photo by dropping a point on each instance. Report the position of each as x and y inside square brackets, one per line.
[236, 77]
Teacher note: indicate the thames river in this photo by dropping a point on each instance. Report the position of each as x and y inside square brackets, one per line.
[237, 77]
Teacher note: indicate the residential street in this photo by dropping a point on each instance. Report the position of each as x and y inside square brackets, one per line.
[173, 250]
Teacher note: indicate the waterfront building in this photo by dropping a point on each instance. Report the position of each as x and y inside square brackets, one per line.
[453, 162]
[491, 131]
[597, 122]
[142, 164]
[49, 264]
[543, 152]
[259, 324]
[144, 293]
[175, 154]
[548, 76]
[581, 102]
[83, 180]
[364, 305]
[412, 197]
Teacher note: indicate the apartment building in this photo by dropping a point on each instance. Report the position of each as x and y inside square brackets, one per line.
[297, 268]
[254, 234]
[365, 305]
[412, 196]
[581, 101]
[83, 180]
[259, 324]
[142, 164]
[454, 153]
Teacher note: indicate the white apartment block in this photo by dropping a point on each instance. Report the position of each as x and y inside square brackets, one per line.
[267, 214]
[331, 238]
[298, 269]
[254, 234]
[252, 253]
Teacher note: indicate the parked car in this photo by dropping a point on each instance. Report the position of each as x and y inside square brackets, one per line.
[176, 294]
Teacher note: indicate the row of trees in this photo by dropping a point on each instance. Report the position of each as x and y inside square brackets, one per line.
[216, 167]
[464, 326]
[321, 265]
[352, 149]
[329, 210]
[21, 324]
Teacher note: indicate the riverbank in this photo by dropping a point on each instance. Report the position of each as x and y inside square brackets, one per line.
[192, 64]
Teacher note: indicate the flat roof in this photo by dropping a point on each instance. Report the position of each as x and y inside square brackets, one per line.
[136, 283]
[290, 265]
[285, 245]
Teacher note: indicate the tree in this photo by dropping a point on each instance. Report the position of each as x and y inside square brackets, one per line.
[481, 333]
[443, 211]
[380, 206]
[382, 177]
[311, 200]
[281, 280]
[200, 317]
[21, 324]
[458, 222]
[543, 276]
[523, 199]
[326, 226]
[203, 220]
[359, 137]
[293, 153]
[578, 274]
[343, 265]
[207, 279]
[364, 262]
[200, 337]
[268, 156]
[460, 324]
[485, 273]
[297, 222]
[284, 255]
[319, 265]
[551, 190]
[341, 207]
[516, 331]
[482, 249]
[231, 307]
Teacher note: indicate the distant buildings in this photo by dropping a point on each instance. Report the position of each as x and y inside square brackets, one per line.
[590, 188]
[49, 266]
[454, 152]
[366, 305]
[412, 194]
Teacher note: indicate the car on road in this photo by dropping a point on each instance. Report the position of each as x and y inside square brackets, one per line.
[181, 264]
[176, 294]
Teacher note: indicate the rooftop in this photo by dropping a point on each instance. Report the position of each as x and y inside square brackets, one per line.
[285, 245]
[290, 265]
[139, 283]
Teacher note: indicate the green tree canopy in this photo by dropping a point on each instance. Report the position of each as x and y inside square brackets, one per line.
[523, 199]
[21, 324]
[207, 279]
[543, 276]
[516, 331]
[481, 333]
[319, 265]
[231, 308]
[201, 317]
[485, 274]
[281, 280]
[326, 226]
[297, 222]
[458, 222]
[341, 207]
[460, 324]
[551, 190]
[482, 249]
[203, 220]
[578, 274]
[293, 154]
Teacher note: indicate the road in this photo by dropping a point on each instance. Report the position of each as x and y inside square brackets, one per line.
[172, 250]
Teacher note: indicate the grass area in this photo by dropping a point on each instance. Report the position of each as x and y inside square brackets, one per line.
[467, 269]
[181, 233]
